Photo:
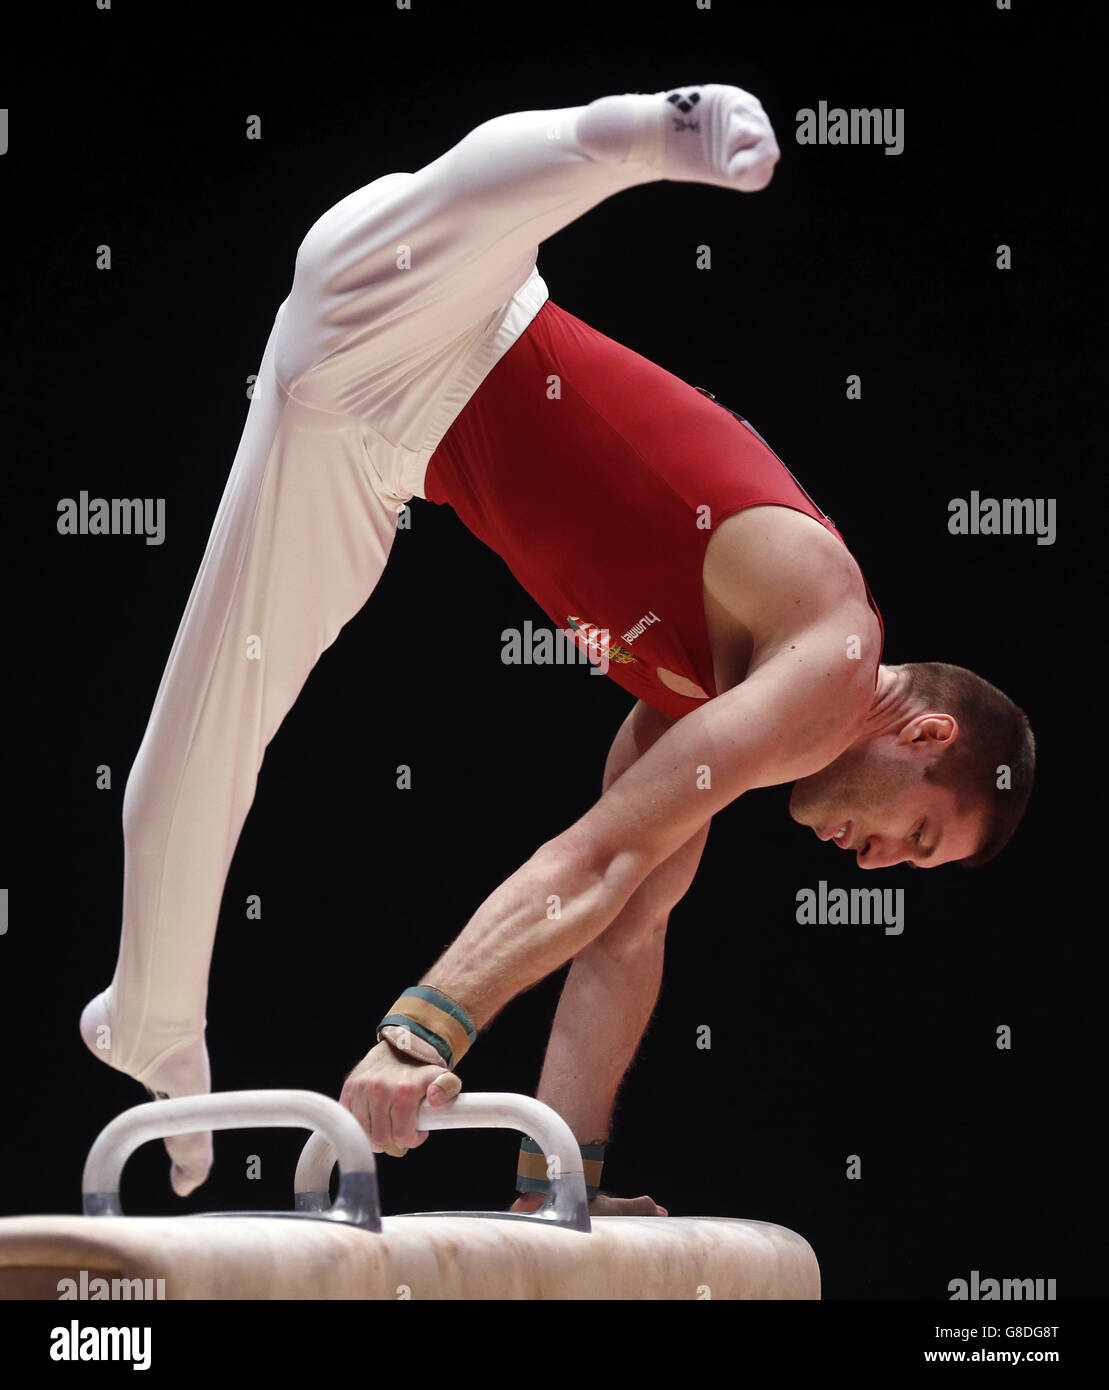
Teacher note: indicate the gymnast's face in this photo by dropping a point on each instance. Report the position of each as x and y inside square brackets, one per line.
[874, 800]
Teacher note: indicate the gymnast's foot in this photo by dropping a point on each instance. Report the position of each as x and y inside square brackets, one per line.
[604, 1205]
[185, 1072]
[601, 1205]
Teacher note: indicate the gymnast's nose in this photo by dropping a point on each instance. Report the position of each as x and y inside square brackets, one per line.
[877, 853]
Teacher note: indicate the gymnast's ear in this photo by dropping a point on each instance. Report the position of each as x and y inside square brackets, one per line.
[940, 730]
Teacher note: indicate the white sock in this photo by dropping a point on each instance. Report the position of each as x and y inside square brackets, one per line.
[707, 133]
[185, 1072]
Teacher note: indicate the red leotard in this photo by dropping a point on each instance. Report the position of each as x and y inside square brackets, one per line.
[586, 467]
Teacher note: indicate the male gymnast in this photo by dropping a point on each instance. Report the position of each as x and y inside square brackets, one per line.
[418, 355]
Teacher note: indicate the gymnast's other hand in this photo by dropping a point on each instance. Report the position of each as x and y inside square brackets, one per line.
[386, 1089]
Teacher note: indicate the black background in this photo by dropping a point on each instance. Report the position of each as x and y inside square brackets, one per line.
[127, 128]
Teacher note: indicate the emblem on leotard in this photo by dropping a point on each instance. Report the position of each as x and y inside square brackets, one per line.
[598, 643]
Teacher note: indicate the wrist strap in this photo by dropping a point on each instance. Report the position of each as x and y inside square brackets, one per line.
[531, 1171]
[434, 1018]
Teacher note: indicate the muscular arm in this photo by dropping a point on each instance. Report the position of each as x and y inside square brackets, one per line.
[798, 709]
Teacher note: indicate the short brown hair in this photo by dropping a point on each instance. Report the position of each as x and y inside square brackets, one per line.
[993, 733]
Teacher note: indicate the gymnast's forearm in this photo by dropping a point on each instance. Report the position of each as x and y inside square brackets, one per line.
[604, 1010]
[545, 913]
[609, 996]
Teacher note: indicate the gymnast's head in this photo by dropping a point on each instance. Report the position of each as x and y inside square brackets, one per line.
[942, 774]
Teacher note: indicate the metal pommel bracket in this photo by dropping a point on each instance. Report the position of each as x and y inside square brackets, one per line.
[338, 1138]
[566, 1206]
[357, 1203]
